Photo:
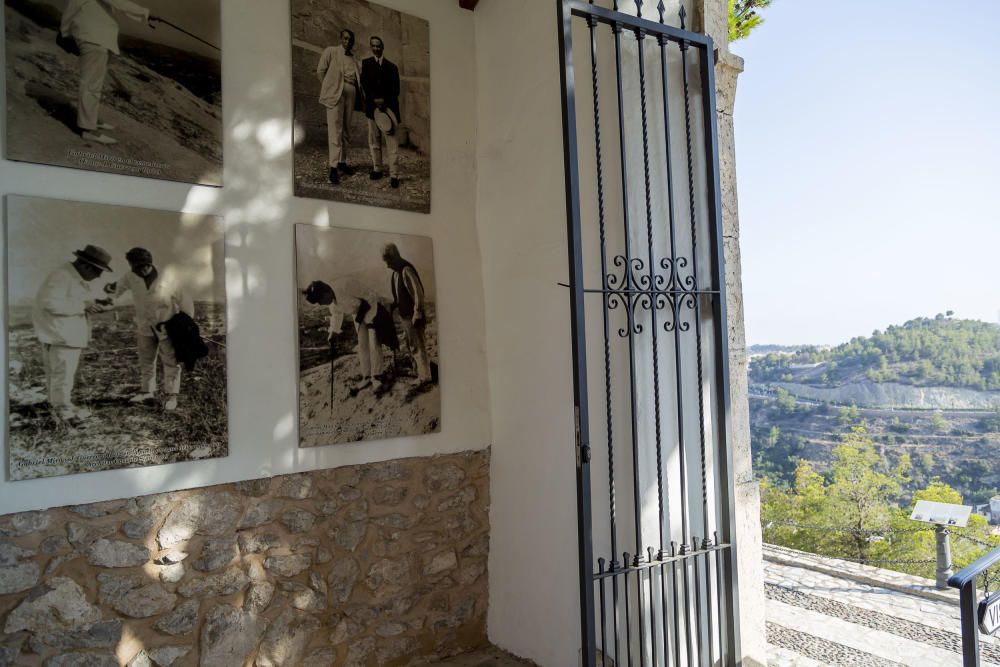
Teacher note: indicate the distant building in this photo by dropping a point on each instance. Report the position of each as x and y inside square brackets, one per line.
[995, 510]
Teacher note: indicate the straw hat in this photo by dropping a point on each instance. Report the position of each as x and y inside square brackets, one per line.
[92, 254]
[385, 120]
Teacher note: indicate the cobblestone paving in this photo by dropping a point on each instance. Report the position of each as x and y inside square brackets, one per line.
[876, 620]
[826, 652]
[487, 657]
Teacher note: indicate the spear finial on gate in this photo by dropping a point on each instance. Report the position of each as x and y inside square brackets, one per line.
[638, 8]
[661, 8]
[615, 7]
[683, 14]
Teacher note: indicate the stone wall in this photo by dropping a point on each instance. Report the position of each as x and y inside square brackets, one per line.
[372, 564]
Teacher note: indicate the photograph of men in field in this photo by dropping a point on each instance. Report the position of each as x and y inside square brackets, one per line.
[361, 87]
[119, 86]
[368, 337]
[116, 337]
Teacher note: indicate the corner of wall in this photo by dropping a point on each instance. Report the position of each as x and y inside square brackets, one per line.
[714, 21]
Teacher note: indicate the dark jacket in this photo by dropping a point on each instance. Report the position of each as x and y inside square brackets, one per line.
[401, 296]
[380, 81]
[384, 325]
[185, 336]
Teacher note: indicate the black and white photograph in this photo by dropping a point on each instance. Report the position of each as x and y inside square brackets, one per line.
[368, 336]
[116, 337]
[361, 87]
[119, 86]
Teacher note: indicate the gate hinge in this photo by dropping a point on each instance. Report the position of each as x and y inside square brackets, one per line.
[582, 448]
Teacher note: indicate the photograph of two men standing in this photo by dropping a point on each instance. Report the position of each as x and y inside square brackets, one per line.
[361, 87]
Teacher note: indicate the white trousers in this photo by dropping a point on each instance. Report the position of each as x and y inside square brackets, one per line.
[375, 137]
[369, 351]
[418, 347]
[338, 119]
[149, 348]
[61, 363]
[93, 68]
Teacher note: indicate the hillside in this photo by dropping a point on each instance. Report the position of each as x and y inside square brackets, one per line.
[924, 352]
[165, 129]
[928, 389]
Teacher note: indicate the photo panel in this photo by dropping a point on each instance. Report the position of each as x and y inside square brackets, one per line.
[368, 336]
[116, 337]
[361, 88]
[126, 87]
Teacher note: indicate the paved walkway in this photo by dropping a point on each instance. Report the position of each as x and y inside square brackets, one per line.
[840, 616]
[823, 611]
[487, 657]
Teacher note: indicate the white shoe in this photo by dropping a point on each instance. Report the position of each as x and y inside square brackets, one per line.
[107, 127]
[72, 415]
[90, 135]
[171, 404]
[141, 398]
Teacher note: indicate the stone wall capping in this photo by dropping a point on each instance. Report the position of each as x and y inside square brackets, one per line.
[365, 564]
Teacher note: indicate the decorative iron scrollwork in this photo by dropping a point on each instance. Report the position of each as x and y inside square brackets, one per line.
[632, 274]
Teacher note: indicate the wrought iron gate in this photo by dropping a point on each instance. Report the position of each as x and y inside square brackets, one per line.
[654, 483]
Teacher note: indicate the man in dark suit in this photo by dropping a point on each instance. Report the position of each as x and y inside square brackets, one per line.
[380, 83]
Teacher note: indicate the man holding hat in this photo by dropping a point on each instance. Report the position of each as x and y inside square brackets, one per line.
[60, 320]
[156, 299]
[380, 83]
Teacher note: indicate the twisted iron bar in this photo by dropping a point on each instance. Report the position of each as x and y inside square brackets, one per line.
[659, 302]
[684, 45]
[592, 23]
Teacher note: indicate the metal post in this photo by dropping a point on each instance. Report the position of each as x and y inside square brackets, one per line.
[965, 582]
[944, 570]
[585, 545]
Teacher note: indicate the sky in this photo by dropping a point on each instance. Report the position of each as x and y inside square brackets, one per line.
[867, 141]
[333, 253]
[43, 233]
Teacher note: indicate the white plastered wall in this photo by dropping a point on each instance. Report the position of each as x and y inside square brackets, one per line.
[259, 213]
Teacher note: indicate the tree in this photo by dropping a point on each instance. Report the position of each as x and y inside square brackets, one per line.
[921, 545]
[863, 487]
[784, 400]
[855, 504]
[743, 17]
[938, 422]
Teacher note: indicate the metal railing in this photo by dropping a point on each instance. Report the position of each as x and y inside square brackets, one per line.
[942, 562]
[966, 581]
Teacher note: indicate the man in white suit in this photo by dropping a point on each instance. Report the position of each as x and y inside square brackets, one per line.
[339, 80]
[94, 28]
[157, 298]
[61, 324]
